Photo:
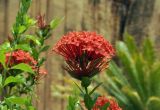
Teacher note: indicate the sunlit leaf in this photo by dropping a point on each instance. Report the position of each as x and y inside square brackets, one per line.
[11, 79]
[33, 38]
[2, 58]
[55, 22]
[24, 67]
[17, 100]
[24, 47]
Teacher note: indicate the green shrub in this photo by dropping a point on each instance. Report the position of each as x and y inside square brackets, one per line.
[135, 80]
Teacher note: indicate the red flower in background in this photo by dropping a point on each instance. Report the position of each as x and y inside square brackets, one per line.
[86, 53]
[101, 101]
[19, 56]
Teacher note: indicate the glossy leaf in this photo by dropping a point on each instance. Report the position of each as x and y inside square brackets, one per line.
[2, 58]
[17, 100]
[24, 47]
[44, 48]
[12, 79]
[34, 39]
[24, 67]
[5, 46]
[55, 22]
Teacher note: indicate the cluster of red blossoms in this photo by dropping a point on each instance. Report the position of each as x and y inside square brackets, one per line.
[86, 53]
[101, 101]
[20, 56]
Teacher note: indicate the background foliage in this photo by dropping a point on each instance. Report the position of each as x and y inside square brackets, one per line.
[134, 81]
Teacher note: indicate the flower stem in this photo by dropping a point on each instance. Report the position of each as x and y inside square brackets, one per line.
[86, 90]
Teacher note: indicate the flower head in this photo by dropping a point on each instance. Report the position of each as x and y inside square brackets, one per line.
[101, 101]
[86, 53]
[19, 56]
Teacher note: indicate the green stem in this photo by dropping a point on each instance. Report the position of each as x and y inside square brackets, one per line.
[86, 90]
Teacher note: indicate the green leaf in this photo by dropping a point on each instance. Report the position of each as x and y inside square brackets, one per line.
[41, 61]
[1, 82]
[12, 79]
[148, 51]
[44, 48]
[20, 25]
[25, 4]
[131, 44]
[129, 66]
[73, 100]
[153, 103]
[17, 100]
[24, 47]
[72, 103]
[55, 22]
[24, 67]
[112, 88]
[134, 97]
[29, 21]
[33, 38]
[79, 88]
[155, 80]
[88, 101]
[2, 58]
[21, 29]
[31, 108]
[95, 88]
[116, 71]
[3, 107]
[5, 46]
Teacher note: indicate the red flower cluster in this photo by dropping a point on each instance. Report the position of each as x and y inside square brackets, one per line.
[86, 53]
[19, 56]
[101, 101]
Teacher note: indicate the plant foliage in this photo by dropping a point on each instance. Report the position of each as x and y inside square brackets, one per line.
[135, 81]
[17, 80]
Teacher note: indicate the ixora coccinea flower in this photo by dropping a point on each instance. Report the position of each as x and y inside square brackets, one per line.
[101, 101]
[86, 53]
[19, 56]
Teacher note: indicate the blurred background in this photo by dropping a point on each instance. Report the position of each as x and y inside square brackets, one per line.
[111, 18]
